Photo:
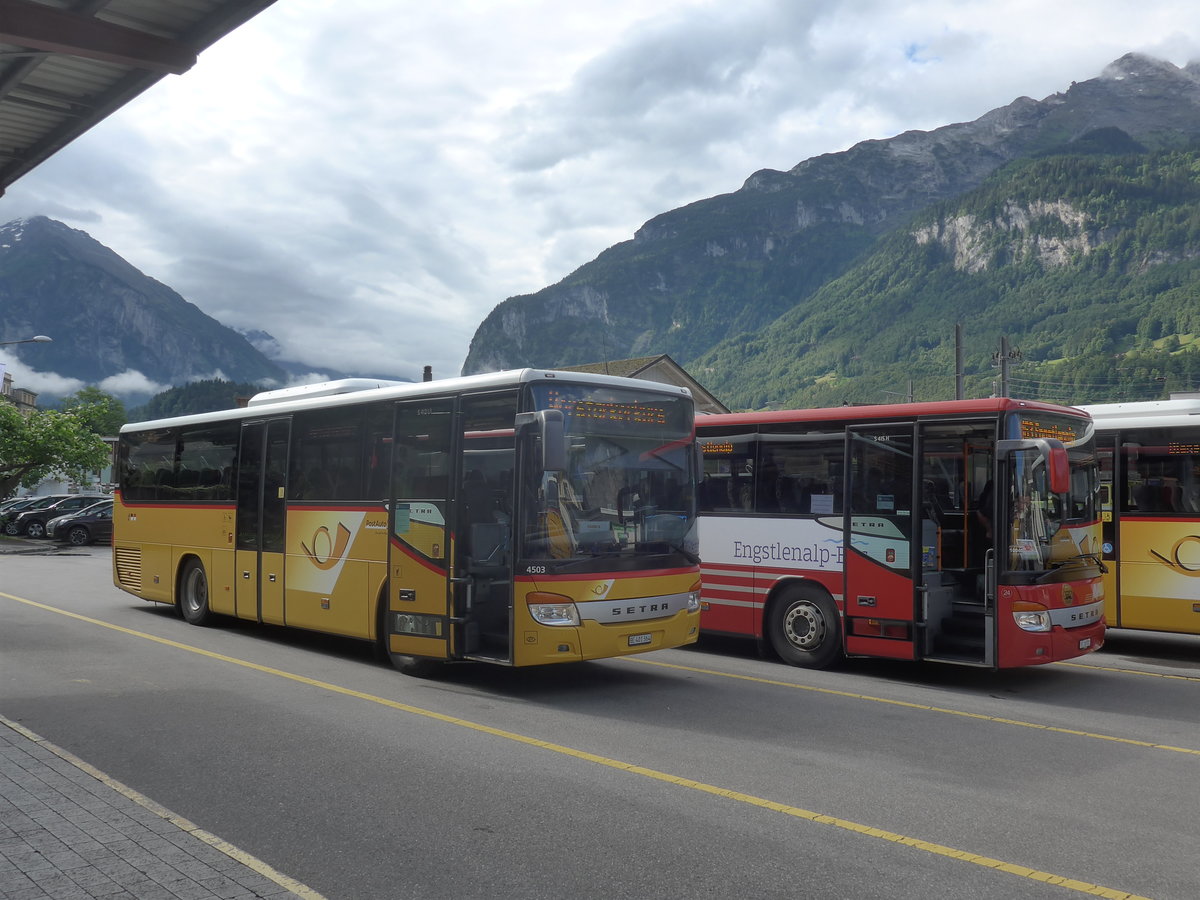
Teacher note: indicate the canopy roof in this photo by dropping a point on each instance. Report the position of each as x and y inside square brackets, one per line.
[65, 65]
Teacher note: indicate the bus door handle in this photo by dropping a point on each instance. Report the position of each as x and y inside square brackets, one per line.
[989, 577]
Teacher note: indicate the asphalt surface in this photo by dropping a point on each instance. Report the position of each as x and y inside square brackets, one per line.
[701, 773]
[69, 831]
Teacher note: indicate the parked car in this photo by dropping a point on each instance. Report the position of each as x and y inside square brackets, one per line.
[15, 503]
[93, 523]
[31, 522]
[8, 516]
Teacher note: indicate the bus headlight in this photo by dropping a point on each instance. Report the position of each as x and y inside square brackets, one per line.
[1031, 616]
[693, 598]
[552, 609]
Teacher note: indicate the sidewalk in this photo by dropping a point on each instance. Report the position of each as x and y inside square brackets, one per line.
[69, 832]
[24, 545]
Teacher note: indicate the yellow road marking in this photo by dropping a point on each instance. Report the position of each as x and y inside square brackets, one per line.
[982, 717]
[1082, 887]
[1168, 675]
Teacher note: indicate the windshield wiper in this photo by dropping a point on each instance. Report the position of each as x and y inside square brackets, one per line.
[1061, 564]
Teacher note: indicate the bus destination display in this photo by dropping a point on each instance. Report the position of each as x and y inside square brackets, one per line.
[607, 410]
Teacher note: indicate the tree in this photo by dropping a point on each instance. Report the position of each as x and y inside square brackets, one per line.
[100, 412]
[43, 443]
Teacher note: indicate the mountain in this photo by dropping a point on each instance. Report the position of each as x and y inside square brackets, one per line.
[106, 317]
[1089, 263]
[302, 372]
[748, 289]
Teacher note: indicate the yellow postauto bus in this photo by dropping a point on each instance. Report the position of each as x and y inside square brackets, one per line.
[1149, 455]
[516, 518]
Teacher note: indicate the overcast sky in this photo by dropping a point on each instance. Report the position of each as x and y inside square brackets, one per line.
[367, 179]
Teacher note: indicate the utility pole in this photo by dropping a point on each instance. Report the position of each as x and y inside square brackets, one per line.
[1003, 360]
[958, 361]
[910, 397]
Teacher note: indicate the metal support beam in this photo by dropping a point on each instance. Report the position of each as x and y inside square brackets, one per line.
[39, 27]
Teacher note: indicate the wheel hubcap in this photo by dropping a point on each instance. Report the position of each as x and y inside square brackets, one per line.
[196, 591]
[804, 626]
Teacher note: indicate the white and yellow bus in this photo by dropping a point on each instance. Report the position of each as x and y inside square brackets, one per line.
[516, 518]
[1150, 506]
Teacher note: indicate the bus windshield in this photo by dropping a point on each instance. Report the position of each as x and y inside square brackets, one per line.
[1048, 531]
[627, 488]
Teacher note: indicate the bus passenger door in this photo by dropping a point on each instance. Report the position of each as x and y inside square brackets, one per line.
[417, 620]
[261, 520]
[482, 527]
[880, 597]
[956, 467]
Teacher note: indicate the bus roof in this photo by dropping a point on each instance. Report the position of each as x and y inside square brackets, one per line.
[887, 411]
[1145, 413]
[353, 391]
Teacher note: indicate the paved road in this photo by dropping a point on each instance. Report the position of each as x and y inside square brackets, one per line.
[702, 773]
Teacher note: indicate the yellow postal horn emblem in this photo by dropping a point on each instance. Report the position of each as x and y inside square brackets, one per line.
[336, 548]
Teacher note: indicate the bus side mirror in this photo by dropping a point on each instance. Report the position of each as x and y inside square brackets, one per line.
[551, 428]
[1058, 467]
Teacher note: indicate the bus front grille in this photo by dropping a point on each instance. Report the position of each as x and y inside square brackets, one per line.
[129, 568]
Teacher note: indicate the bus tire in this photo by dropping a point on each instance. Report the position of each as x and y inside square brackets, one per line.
[802, 624]
[193, 593]
[415, 666]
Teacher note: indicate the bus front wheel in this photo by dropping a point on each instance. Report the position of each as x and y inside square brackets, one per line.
[802, 625]
[193, 593]
[416, 666]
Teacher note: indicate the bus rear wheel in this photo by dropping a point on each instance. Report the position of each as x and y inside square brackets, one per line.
[193, 593]
[802, 625]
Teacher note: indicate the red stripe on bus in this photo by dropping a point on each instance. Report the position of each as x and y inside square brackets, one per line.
[418, 558]
[593, 576]
[166, 504]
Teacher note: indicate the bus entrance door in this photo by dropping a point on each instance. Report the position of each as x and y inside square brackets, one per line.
[956, 467]
[879, 588]
[483, 527]
[416, 621]
[261, 518]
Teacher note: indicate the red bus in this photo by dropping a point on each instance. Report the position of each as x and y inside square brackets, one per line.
[875, 531]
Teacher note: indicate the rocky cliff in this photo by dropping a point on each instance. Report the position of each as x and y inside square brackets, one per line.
[738, 262]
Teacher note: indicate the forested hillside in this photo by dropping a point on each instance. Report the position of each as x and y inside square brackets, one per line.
[209, 395]
[1088, 262]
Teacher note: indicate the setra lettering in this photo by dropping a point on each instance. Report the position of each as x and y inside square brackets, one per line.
[642, 609]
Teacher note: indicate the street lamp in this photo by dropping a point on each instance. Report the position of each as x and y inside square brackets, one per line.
[36, 339]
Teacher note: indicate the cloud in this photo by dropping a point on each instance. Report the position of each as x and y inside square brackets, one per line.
[131, 382]
[366, 186]
[50, 384]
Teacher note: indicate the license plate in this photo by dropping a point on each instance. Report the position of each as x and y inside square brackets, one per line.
[1085, 643]
[636, 640]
